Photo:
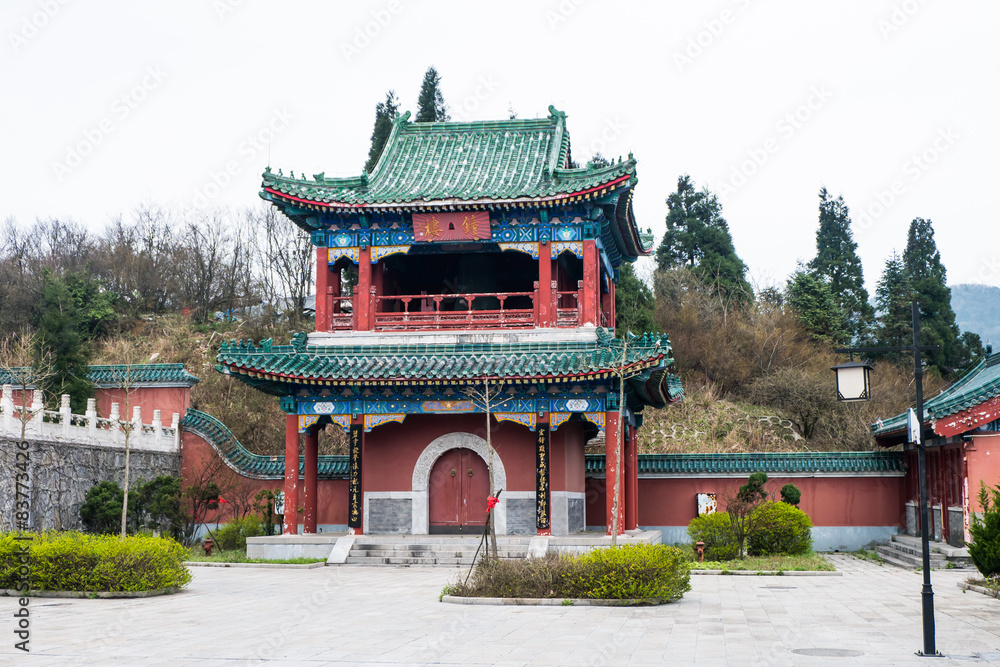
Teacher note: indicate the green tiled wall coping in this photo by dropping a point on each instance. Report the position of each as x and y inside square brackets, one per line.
[777, 463]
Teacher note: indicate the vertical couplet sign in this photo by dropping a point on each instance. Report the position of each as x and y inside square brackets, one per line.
[354, 509]
[542, 478]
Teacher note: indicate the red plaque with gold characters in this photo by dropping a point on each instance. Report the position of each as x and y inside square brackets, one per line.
[451, 226]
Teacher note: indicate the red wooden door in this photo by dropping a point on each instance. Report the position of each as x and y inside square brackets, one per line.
[459, 486]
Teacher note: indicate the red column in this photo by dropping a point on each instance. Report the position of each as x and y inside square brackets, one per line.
[291, 474]
[362, 299]
[546, 458]
[591, 277]
[631, 480]
[309, 488]
[323, 300]
[545, 315]
[613, 456]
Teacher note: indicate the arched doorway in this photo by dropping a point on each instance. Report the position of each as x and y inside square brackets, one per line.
[459, 486]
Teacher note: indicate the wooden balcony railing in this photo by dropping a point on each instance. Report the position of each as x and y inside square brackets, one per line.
[504, 310]
[455, 311]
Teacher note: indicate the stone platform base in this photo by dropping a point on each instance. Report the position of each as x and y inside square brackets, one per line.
[435, 550]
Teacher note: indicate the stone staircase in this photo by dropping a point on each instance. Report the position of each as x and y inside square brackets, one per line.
[431, 550]
[906, 551]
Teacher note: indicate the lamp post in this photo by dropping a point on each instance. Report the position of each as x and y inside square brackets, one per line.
[854, 379]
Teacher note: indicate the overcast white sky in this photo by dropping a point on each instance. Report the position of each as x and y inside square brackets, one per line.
[892, 103]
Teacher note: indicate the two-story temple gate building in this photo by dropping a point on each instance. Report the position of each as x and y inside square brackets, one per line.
[484, 262]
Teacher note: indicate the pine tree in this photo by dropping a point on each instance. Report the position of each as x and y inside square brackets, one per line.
[838, 264]
[59, 327]
[893, 296]
[635, 306]
[698, 236]
[385, 113]
[811, 298]
[927, 275]
[430, 105]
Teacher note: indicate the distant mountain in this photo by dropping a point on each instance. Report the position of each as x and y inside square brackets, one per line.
[977, 309]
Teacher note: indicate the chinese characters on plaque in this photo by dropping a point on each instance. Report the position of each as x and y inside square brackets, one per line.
[542, 477]
[452, 226]
[354, 478]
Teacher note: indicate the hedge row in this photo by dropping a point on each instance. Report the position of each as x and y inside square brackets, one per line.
[651, 572]
[72, 561]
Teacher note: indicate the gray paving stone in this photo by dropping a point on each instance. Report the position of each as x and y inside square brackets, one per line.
[388, 616]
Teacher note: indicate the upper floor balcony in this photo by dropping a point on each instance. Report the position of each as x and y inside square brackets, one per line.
[433, 312]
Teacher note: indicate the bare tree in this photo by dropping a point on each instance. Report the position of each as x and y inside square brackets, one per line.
[284, 259]
[27, 370]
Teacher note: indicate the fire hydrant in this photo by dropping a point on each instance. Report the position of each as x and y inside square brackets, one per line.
[207, 545]
[700, 546]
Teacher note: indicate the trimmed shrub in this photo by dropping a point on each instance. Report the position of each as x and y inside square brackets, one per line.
[233, 536]
[629, 572]
[790, 494]
[780, 528]
[634, 572]
[72, 561]
[716, 531]
[985, 530]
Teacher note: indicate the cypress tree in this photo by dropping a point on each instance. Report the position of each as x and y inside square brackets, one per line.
[430, 104]
[838, 264]
[385, 113]
[698, 236]
[927, 275]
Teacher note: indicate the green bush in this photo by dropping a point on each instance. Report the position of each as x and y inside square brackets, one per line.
[634, 572]
[985, 530]
[235, 533]
[72, 561]
[630, 572]
[101, 511]
[779, 528]
[790, 494]
[716, 531]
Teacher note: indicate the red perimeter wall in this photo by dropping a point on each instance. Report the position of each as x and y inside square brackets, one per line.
[829, 501]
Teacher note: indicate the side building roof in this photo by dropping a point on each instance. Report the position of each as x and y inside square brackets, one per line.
[972, 401]
[112, 376]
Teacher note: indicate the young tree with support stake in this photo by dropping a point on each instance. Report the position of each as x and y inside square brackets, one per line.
[486, 396]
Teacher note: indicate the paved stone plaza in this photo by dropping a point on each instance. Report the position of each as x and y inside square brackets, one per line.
[391, 616]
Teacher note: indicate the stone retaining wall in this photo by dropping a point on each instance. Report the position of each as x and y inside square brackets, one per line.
[61, 473]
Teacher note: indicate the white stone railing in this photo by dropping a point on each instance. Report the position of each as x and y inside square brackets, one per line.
[89, 429]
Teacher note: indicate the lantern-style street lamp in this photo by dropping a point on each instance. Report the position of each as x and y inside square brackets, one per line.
[853, 381]
[853, 384]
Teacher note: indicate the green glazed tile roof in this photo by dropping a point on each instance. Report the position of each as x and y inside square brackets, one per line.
[978, 385]
[246, 463]
[136, 374]
[454, 163]
[273, 368]
[772, 463]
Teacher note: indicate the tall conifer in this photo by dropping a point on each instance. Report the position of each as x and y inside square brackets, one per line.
[698, 236]
[430, 105]
[893, 296]
[927, 275]
[838, 264]
[385, 114]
